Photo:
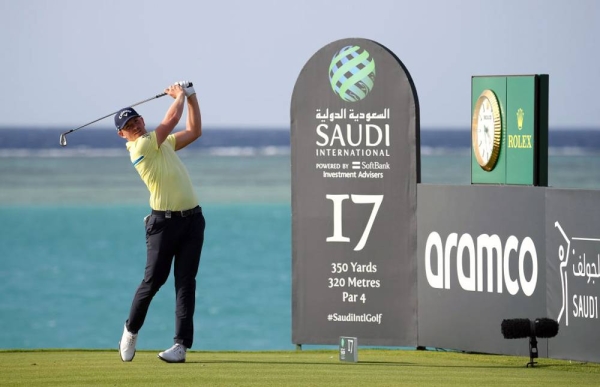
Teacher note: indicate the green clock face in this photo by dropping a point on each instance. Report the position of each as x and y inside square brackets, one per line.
[486, 130]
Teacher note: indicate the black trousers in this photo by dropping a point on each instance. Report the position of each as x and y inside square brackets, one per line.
[176, 239]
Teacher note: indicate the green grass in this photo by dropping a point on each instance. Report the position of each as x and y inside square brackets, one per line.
[376, 367]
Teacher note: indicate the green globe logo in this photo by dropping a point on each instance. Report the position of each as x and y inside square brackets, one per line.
[352, 73]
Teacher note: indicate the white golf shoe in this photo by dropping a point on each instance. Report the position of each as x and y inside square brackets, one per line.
[175, 354]
[127, 345]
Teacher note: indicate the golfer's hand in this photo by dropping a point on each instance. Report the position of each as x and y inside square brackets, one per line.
[187, 88]
[175, 90]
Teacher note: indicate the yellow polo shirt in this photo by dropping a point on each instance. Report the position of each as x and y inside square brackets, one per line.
[163, 173]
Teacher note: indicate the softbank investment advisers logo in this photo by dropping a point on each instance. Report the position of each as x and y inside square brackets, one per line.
[583, 305]
[450, 257]
[352, 73]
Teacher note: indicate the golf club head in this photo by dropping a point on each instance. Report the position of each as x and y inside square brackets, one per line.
[63, 139]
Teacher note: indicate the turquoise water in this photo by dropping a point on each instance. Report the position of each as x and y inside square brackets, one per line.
[69, 274]
[73, 248]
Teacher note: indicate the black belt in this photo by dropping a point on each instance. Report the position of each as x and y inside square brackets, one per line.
[177, 214]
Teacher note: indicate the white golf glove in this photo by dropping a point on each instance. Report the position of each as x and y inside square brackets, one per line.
[188, 87]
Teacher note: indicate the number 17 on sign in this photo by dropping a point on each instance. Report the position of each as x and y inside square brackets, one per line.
[338, 201]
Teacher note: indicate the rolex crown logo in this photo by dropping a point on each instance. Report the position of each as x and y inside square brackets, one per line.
[520, 115]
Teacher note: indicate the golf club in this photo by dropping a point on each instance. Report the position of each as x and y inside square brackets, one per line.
[63, 136]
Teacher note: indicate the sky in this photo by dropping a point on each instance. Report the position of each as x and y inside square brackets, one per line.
[68, 62]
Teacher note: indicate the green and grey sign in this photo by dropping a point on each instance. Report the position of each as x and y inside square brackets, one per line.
[348, 349]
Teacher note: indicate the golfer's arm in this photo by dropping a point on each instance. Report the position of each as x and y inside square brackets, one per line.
[171, 119]
[193, 128]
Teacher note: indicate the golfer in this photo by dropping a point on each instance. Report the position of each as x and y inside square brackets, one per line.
[175, 227]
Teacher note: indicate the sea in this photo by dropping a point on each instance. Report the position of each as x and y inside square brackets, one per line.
[72, 245]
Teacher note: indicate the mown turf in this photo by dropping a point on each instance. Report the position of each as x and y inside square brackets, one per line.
[376, 367]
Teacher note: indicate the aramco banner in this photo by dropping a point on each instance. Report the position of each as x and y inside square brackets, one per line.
[492, 252]
[355, 169]
[482, 259]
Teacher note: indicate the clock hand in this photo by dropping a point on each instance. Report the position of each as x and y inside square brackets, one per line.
[487, 136]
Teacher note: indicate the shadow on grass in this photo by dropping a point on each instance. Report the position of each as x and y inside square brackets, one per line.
[360, 363]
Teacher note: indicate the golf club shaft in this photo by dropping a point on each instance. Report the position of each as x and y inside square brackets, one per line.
[63, 139]
[112, 114]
